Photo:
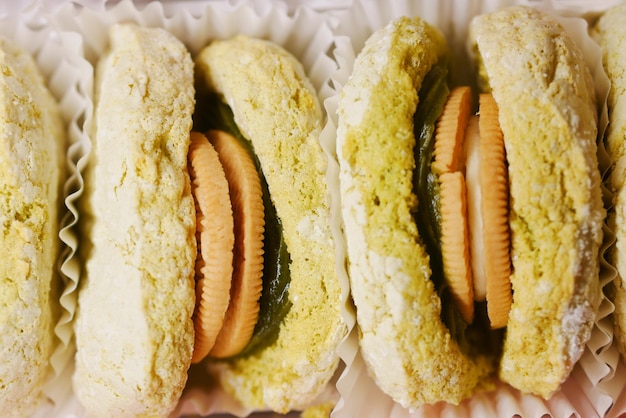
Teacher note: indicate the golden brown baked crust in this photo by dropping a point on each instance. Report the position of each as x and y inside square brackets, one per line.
[276, 108]
[407, 347]
[538, 77]
[134, 333]
[610, 32]
[32, 142]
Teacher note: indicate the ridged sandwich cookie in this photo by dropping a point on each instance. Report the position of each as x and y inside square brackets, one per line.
[259, 93]
[473, 229]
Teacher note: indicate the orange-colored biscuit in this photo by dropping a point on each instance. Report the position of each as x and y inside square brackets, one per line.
[450, 132]
[247, 283]
[216, 239]
[455, 242]
[495, 213]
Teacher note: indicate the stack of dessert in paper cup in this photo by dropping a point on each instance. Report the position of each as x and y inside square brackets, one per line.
[105, 338]
[398, 363]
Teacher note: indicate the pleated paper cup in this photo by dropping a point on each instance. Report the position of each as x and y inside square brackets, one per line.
[59, 57]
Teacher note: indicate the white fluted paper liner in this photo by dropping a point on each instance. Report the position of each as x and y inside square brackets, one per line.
[594, 385]
[59, 57]
[303, 31]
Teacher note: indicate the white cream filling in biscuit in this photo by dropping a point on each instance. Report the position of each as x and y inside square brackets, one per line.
[474, 210]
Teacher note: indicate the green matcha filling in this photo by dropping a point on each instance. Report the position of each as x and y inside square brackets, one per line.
[274, 301]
